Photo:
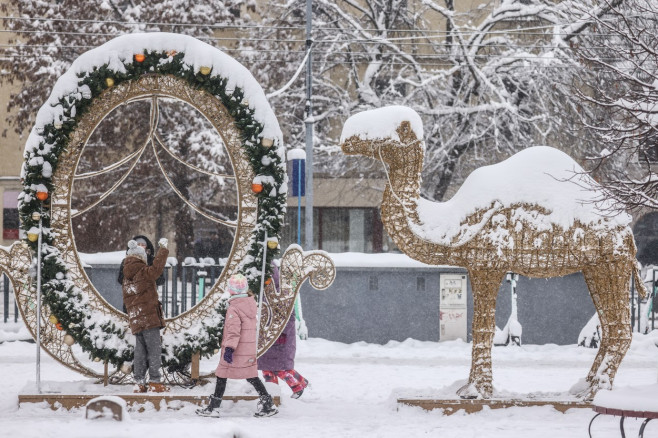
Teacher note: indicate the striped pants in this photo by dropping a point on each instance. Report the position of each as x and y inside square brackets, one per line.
[292, 378]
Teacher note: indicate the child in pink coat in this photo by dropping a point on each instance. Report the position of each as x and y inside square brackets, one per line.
[238, 355]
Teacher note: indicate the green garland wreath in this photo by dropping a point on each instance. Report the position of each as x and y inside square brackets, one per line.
[66, 301]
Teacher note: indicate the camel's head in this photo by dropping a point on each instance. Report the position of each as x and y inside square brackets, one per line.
[357, 146]
[368, 132]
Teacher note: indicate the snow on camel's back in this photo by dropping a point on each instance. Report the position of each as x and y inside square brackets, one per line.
[536, 214]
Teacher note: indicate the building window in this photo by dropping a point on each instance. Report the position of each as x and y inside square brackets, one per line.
[420, 284]
[356, 239]
[646, 238]
[334, 229]
[339, 229]
[10, 216]
[373, 283]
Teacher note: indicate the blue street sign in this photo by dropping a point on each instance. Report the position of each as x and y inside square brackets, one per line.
[298, 180]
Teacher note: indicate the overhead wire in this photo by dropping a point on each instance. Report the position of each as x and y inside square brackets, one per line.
[424, 59]
[140, 23]
[301, 27]
[324, 42]
[115, 34]
[437, 67]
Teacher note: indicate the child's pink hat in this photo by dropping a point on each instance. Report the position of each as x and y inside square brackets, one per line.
[237, 284]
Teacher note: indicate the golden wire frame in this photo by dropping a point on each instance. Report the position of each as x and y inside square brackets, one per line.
[605, 256]
[296, 267]
[16, 262]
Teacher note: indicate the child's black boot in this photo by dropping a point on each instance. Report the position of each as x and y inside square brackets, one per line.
[212, 410]
[266, 407]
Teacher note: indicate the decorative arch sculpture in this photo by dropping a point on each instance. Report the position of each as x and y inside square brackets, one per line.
[500, 236]
[148, 67]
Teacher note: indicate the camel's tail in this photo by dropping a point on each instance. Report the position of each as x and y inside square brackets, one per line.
[639, 284]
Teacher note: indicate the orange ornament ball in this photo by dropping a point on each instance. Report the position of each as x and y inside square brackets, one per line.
[59, 326]
[268, 281]
[256, 188]
[140, 57]
[42, 196]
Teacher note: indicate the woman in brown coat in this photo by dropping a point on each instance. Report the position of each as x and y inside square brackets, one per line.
[140, 296]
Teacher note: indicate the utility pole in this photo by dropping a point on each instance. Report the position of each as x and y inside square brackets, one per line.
[308, 121]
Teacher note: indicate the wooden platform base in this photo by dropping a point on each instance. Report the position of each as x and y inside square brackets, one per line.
[450, 406]
[171, 401]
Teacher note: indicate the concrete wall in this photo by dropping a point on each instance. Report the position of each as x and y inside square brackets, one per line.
[104, 278]
[550, 310]
[349, 311]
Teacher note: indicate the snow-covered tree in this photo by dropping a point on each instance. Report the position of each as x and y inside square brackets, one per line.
[487, 82]
[619, 92]
[48, 37]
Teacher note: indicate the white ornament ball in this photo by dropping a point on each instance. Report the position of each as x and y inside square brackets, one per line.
[267, 142]
[97, 359]
[68, 340]
[126, 368]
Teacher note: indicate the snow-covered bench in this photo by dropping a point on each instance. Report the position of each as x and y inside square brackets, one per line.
[632, 401]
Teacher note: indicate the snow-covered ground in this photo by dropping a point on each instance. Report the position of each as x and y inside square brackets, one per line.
[354, 388]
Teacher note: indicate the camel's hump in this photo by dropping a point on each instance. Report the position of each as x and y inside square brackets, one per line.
[541, 176]
[381, 123]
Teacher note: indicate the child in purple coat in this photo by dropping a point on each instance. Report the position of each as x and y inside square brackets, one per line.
[238, 355]
[279, 360]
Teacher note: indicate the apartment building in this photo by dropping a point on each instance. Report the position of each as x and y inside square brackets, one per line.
[11, 158]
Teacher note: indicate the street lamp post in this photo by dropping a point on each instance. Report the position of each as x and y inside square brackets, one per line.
[41, 196]
[297, 158]
[39, 303]
[262, 283]
[309, 121]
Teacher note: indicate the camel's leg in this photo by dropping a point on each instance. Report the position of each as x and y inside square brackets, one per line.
[485, 286]
[609, 285]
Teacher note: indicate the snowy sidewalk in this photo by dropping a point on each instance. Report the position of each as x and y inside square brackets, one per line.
[354, 390]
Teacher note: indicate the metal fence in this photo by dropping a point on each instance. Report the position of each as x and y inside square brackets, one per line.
[9, 308]
[186, 285]
[650, 305]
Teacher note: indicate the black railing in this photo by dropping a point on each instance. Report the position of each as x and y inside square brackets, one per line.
[185, 285]
[9, 307]
[192, 282]
[653, 298]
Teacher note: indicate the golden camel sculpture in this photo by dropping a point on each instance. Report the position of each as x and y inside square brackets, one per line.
[496, 238]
